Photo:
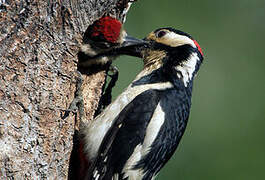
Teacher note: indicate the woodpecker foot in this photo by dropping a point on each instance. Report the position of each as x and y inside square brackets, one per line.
[77, 105]
[106, 98]
[113, 73]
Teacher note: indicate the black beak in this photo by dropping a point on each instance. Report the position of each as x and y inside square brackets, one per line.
[131, 41]
[132, 47]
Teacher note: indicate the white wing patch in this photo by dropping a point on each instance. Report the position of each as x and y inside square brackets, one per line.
[141, 150]
[134, 174]
[153, 127]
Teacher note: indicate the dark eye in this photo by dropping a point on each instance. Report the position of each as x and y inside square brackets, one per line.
[160, 34]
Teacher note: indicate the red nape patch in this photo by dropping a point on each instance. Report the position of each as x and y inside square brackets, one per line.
[198, 46]
[106, 27]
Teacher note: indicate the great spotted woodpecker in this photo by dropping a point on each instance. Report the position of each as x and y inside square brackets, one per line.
[138, 133]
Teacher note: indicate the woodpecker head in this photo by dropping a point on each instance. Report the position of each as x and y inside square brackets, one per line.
[104, 33]
[173, 50]
[100, 38]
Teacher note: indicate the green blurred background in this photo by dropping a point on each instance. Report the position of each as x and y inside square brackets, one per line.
[225, 137]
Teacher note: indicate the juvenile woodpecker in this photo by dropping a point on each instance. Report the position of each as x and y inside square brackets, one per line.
[100, 39]
[102, 36]
[138, 133]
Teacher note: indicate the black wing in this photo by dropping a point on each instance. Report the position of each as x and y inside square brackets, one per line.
[125, 134]
[176, 106]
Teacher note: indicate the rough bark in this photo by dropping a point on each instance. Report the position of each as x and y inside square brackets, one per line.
[39, 42]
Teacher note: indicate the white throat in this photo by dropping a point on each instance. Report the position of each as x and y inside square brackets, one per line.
[187, 68]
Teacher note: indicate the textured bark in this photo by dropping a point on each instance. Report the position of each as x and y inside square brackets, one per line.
[39, 41]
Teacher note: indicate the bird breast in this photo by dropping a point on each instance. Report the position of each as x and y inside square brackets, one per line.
[96, 130]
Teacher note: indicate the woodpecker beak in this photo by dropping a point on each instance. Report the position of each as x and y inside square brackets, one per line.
[132, 46]
[131, 41]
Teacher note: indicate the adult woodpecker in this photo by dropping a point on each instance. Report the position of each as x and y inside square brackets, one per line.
[102, 36]
[137, 134]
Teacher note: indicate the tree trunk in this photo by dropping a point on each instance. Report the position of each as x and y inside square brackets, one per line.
[39, 42]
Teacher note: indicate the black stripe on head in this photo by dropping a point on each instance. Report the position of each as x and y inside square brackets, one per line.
[175, 31]
[175, 55]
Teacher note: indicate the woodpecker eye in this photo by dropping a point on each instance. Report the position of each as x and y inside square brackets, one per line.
[160, 34]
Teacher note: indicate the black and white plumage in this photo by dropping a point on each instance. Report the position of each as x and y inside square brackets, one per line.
[137, 134]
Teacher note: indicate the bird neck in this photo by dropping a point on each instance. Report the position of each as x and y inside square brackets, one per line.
[153, 59]
[179, 84]
[162, 76]
[187, 70]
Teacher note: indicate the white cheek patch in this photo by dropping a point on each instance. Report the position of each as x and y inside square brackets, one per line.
[172, 39]
[187, 68]
[88, 50]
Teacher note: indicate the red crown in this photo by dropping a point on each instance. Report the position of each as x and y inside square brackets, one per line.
[107, 28]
